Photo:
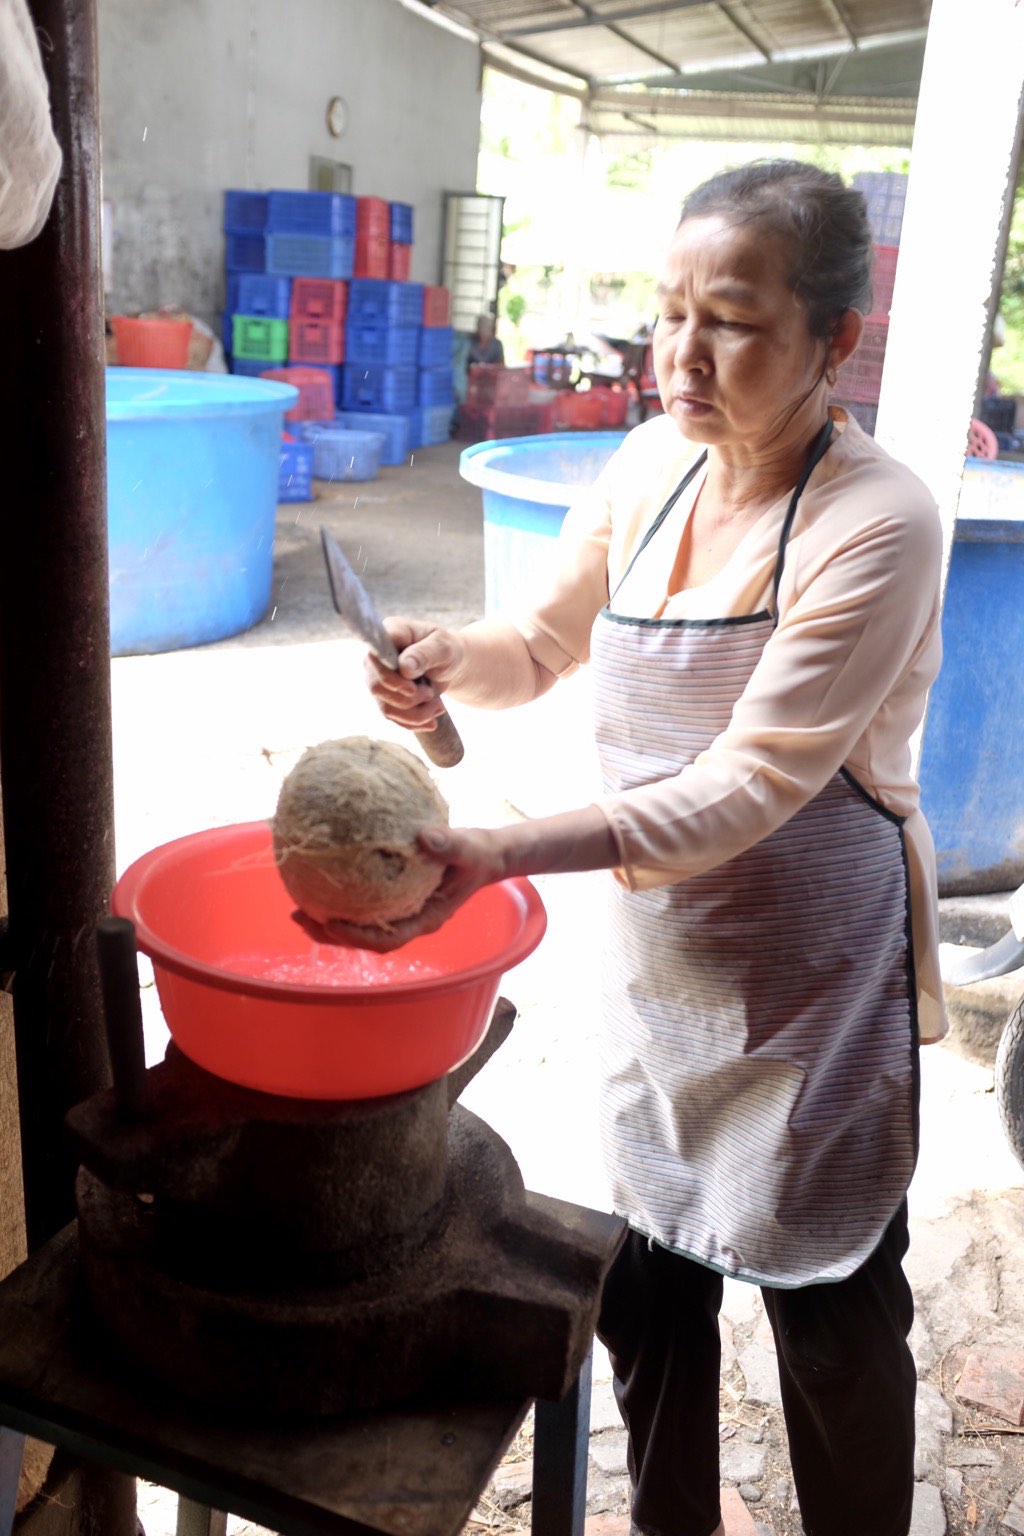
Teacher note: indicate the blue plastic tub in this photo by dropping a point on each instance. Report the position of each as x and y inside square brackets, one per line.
[972, 757]
[395, 429]
[528, 484]
[192, 481]
[341, 454]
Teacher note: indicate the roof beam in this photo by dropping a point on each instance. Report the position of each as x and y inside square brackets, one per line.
[570, 23]
[754, 42]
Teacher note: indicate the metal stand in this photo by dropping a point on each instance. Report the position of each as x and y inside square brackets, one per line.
[417, 1470]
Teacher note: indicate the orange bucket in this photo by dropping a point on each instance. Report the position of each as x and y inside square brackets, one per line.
[151, 343]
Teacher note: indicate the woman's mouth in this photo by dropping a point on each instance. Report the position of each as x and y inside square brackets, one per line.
[693, 405]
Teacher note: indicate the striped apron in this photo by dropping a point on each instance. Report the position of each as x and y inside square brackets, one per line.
[759, 1054]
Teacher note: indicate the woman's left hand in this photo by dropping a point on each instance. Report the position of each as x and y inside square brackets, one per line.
[472, 858]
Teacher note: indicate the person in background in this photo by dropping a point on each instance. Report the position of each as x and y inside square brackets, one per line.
[756, 586]
[484, 346]
[30, 157]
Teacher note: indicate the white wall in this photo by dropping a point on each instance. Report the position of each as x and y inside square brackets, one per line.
[201, 95]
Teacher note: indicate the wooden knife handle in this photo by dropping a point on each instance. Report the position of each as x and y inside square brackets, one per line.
[443, 745]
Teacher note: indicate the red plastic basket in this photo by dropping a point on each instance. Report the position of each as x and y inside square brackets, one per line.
[614, 403]
[581, 410]
[373, 217]
[399, 262]
[319, 298]
[860, 377]
[316, 392]
[486, 423]
[372, 256]
[884, 278]
[151, 343]
[316, 341]
[437, 306]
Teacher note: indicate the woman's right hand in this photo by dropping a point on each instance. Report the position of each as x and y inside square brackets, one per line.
[423, 650]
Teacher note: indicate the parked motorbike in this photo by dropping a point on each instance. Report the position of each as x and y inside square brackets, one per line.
[999, 959]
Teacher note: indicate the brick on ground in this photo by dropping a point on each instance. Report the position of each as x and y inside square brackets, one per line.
[736, 1517]
[993, 1380]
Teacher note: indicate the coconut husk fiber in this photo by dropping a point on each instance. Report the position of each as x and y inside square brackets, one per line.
[345, 832]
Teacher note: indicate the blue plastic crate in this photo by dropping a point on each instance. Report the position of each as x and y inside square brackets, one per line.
[250, 367]
[401, 223]
[381, 389]
[295, 472]
[227, 333]
[394, 427]
[232, 286]
[245, 210]
[378, 301]
[341, 454]
[435, 347]
[261, 294]
[310, 255]
[435, 424]
[388, 346]
[245, 251]
[311, 213]
[435, 386]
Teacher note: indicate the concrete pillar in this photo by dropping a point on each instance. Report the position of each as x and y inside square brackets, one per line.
[966, 144]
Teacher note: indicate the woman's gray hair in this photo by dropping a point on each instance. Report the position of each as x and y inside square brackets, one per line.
[825, 220]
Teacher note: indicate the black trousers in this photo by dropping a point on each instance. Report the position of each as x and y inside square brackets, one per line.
[846, 1371]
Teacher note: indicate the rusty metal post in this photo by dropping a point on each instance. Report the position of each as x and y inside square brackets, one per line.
[55, 742]
[56, 760]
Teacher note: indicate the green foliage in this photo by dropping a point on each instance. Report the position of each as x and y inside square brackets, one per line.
[513, 306]
[631, 171]
[1008, 360]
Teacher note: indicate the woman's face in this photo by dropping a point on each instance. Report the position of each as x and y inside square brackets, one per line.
[732, 351]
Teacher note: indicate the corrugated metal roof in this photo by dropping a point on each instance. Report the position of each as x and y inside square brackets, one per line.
[838, 70]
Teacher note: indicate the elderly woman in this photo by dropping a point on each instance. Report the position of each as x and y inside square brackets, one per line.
[755, 585]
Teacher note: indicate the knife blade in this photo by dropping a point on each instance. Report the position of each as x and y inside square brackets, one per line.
[443, 745]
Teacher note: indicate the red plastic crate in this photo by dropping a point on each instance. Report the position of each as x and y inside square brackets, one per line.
[319, 298]
[484, 424]
[860, 377]
[437, 306]
[372, 256]
[884, 277]
[373, 217]
[399, 262]
[316, 392]
[316, 341]
[494, 384]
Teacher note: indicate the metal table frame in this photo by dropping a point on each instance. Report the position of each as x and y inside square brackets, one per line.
[326, 1478]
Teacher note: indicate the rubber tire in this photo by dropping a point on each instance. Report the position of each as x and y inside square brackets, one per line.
[1009, 1081]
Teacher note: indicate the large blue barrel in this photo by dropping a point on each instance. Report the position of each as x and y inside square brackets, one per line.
[528, 484]
[192, 479]
[972, 758]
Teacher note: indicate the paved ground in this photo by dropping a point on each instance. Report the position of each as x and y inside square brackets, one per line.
[205, 736]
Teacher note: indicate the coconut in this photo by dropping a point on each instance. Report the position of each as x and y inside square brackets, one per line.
[345, 832]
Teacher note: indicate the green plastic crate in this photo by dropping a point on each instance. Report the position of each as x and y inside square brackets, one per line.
[259, 338]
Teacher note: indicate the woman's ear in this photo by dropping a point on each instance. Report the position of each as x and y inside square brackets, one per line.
[845, 337]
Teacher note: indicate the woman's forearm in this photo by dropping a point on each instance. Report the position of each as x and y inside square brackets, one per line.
[495, 669]
[550, 845]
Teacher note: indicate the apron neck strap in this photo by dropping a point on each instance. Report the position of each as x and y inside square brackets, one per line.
[666, 509]
[818, 448]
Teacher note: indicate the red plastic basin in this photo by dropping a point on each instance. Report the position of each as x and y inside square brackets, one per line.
[250, 996]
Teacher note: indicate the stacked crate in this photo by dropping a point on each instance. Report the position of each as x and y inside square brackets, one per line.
[400, 248]
[860, 378]
[318, 295]
[373, 237]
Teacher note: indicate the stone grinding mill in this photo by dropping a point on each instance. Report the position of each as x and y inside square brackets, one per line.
[333, 1243]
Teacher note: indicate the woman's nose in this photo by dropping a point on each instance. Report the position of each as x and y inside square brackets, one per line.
[690, 351]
